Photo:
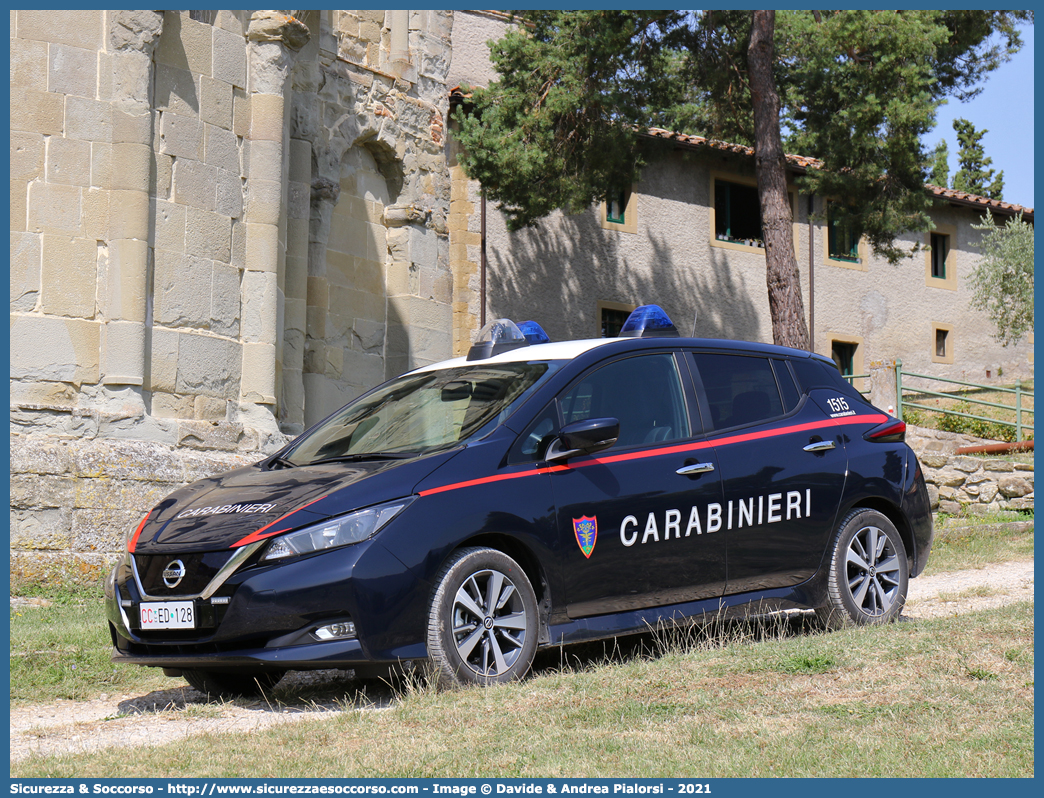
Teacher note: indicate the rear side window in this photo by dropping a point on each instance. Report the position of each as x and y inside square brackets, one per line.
[740, 389]
[787, 389]
[814, 373]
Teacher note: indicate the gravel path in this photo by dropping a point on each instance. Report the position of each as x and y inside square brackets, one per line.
[165, 715]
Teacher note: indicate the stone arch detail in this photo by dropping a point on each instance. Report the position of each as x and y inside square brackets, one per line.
[379, 289]
[344, 346]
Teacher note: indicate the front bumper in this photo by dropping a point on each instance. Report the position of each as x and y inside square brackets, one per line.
[272, 612]
[331, 654]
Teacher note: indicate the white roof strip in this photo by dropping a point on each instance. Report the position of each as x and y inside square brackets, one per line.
[561, 350]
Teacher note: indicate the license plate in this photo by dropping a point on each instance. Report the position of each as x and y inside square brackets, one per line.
[168, 615]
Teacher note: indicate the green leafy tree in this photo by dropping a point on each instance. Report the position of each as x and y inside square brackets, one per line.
[939, 174]
[1002, 283]
[974, 174]
[856, 89]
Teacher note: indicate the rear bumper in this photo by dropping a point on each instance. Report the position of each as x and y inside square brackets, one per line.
[917, 508]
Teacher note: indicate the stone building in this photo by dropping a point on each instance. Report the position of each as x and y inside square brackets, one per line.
[226, 224]
[678, 240]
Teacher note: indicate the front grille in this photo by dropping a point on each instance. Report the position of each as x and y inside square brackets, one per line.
[200, 569]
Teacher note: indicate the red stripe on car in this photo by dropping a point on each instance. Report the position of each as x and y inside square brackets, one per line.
[137, 533]
[680, 448]
[253, 537]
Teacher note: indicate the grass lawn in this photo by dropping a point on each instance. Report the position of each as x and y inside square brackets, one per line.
[974, 542]
[935, 698]
[942, 697]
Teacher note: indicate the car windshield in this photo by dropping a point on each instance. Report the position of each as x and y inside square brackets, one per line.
[420, 413]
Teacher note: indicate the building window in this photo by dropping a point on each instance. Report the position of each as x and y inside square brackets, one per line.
[940, 257]
[737, 214]
[842, 238]
[942, 343]
[940, 249]
[611, 316]
[619, 211]
[616, 206]
[844, 356]
[847, 353]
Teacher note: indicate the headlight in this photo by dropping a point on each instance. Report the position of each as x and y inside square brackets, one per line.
[335, 532]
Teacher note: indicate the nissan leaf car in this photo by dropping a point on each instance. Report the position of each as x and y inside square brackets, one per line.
[531, 494]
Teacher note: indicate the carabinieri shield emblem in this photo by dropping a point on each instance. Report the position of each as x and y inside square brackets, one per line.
[586, 531]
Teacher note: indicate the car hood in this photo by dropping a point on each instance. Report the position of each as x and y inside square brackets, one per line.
[253, 503]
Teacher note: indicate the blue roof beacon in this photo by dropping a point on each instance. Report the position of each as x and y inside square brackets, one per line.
[533, 332]
[649, 321]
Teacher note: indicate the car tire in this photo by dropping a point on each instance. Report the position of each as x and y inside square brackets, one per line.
[869, 572]
[470, 641]
[229, 684]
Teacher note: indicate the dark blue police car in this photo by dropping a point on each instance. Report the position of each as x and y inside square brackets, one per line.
[531, 494]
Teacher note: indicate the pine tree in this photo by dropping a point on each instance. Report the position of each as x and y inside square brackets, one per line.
[974, 174]
[940, 171]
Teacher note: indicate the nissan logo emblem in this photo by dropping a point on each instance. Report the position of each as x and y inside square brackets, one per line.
[173, 573]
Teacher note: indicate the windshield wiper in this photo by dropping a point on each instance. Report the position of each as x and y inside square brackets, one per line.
[360, 456]
[280, 462]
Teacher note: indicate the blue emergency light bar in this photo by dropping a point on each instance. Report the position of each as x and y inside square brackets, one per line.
[649, 321]
[533, 332]
[503, 335]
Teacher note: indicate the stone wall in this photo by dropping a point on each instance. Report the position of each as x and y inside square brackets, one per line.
[977, 485]
[224, 225]
[74, 498]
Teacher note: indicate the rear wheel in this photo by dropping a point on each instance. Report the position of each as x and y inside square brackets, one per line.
[869, 572]
[230, 684]
[482, 626]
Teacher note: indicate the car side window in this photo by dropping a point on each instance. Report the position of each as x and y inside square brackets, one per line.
[532, 444]
[812, 373]
[643, 393]
[787, 389]
[740, 389]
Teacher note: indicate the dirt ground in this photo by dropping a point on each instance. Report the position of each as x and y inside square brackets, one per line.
[165, 715]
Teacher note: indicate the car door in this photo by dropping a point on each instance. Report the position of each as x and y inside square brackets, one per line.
[631, 519]
[782, 465]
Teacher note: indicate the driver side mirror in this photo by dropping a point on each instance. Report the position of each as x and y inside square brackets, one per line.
[583, 437]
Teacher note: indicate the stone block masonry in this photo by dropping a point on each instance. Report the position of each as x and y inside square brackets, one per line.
[203, 213]
[977, 485]
[78, 487]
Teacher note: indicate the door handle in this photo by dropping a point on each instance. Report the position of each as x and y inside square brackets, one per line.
[695, 468]
[820, 446]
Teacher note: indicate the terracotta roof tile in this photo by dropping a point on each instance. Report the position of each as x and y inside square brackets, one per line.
[974, 200]
[801, 163]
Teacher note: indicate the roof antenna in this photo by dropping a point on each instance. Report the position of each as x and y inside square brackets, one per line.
[694, 315]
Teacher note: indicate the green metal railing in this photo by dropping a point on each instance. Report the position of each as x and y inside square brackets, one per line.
[853, 377]
[1018, 391]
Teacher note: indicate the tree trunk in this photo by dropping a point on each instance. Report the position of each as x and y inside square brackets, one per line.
[784, 286]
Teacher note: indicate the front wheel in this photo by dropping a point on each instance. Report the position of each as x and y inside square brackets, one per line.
[482, 626]
[869, 572]
[229, 684]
